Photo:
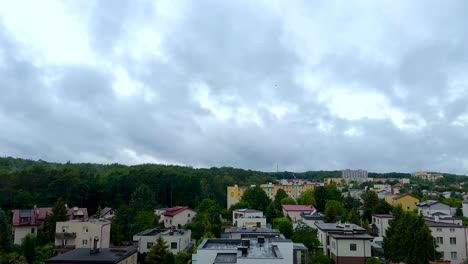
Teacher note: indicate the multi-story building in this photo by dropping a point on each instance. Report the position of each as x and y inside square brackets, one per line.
[344, 243]
[428, 176]
[248, 217]
[465, 208]
[451, 239]
[380, 223]
[294, 211]
[258, 250]
[246, 232]
[406, 201]
[25, 222]
[100, 255]
[354, 175]
[81, 234]
[177, 240]
[177, 216]
[430, 207]
[311, 218]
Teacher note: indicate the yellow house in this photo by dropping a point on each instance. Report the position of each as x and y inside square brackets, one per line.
[234, 194]
[407, 202]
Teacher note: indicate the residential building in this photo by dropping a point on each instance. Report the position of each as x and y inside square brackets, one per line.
[81, 234]
[100, 255]
[234, 194]
[177, 216]
[28, 221]
[311, 218]
[465, 208]
[380, 223]
[248, 217]
[430, 207]
[177, 240]
[451, 239]
[107, 213]
[344, 243]
[428, 176]
[407, 202]
[354, 175]
[294, 211]
[258, 250]
[335, 180]
[246, 232]
[76, 213]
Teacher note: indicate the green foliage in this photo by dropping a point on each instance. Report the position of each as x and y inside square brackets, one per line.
[144, 220]
[284, 225]
[333, 209]
[116, 236]
[28, 247]
[383, 207]
[321, 196]
[370, 199]
[366, 226]
[353, 217]
[333, 193]
[43, 253]
[279, 196]
[256, 198]
[159, 253]
[350, 203]
[182, 258]
[288, 200]
[320, 258]
[272, 213]
[142, 199]
[206, 220]
[59, 214]
[307, 198]
[373, 261]
[408, 239]
[5, 238]
[308, 236]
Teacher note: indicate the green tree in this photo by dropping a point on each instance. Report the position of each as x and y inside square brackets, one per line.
[116, 235]
[5, 238]
[142, 199]
[144, 220]
[366, 226]
[373, 261]
[159, 253]
[308, 236]
[333, 193]
[332, 210]
[370, 199]
[321, 196]
[288, 200]
[59, 214]
[280, 195]
[28, 247]
[383, 207]
[307, 198]
[272, 213]
[182, 258]
[256, 198]
[284, 225]
[349, 203]
[353, 217]
[320, 258]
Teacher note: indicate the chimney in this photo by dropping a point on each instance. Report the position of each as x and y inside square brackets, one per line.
[243, 251]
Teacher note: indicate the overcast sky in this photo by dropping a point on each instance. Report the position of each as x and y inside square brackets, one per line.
[307, 85]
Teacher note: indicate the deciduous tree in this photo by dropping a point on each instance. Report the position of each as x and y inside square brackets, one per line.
[284, 225]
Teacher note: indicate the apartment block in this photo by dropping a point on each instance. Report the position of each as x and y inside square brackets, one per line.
[81, 234]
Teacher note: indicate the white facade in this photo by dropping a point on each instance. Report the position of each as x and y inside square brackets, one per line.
[465, 208]
[346, 248]
[248, 217]
[176, 240]
[81, 234]
[179, 219]
[430, 207]
[21, 232]
[452, 240]
[382, 222]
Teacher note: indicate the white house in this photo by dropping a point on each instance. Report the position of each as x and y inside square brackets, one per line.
[311, 218]
[248, 217]
[177, 216]
[380, 224]
[451, 239]
[430, 207]
[177, 240]
[344, 243]
[258, 250]
[81, 234]
[294, 211]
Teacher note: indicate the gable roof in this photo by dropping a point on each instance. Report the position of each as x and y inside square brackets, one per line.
[396, 197]
[429, 203]
[36, 215]
[298, 207]
[174, 210]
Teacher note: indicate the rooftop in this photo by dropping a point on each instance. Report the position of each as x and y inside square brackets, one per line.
[339, 227]
[351, 236]
[429, 203]
[258, 230]
[442, 224]
[254, 249]
[298, 207]
[162, 232]
[245, 210]
[383, 215]
[174, 210]
[105, 255]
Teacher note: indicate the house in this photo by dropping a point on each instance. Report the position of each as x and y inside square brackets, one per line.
[245, 232]
[28, 221]
[465, 208]
[177, 216]
[294, 211]
[311, 218]
[432, 206]
[76, 213]
[407, 202]
[259, 250]
[344, 243]
[101, 255]
[248, 217]
[178, 240]
[451, 240]
[81, 234]
[380, 223]
[107, 213]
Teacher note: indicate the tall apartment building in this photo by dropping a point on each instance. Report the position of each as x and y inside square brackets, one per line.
[354, 175]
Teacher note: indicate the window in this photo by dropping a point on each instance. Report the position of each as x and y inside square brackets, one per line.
[333, 244]
[174, 245]
[352, 247]
[188, 215]
[149, 244]
[440, 240]
[85, 229]
[32, 230]
[64, 229]
[84, 242]
[453, 255]
[439, 229]
[452, 230]
[453, 241]
[64, 242]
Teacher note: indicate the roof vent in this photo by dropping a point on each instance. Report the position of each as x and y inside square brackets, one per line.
[243, 251]
[246, 243]
[261, 239]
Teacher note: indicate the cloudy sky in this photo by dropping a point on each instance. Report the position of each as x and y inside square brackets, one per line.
[307, 85]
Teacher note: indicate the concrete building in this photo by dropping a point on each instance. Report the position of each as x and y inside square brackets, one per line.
[25, 222]
[177, 240]
[102, 255]
[430, 207]
[81, 234]
[452, 240]
[246, 232]
[177, 216]
[258, 250]
[248, 217]
[407, 202]
[428, 176]
[465, 208]
[380, 224]
[295, 210]
[354, 175]
[344, 243]
[107, 213]
[311, 218]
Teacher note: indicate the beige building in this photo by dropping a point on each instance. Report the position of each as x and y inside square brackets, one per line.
[176, 240]
[406, 201]
[81, 234]
[428, 176]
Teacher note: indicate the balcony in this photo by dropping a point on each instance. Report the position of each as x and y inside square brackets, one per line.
[65, 235]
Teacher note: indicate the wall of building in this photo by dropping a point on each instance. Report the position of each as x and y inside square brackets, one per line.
[460, 234]
[182, 241]
[465, 209]
[132, 259]
[179, 219]
[85, 232]
[22, 231]
[250, 221]
[382, 224]
[342, 247]
[438, 207]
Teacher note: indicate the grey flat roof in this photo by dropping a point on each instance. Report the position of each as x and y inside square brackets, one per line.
[82, 255]
[442, 224]
[351, 236]
[161, 231]
[251, 230]
[245, 210]
[226, 258]
[336, 227]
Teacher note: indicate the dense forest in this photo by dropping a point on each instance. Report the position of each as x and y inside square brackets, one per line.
[25, 183]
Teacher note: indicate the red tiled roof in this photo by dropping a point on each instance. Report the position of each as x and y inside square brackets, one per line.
[38, 216]
[297, 207]
[174, 210]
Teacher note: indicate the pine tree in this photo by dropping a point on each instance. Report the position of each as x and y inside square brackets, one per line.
[159, 253]
[29, 248]
[5, 239]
